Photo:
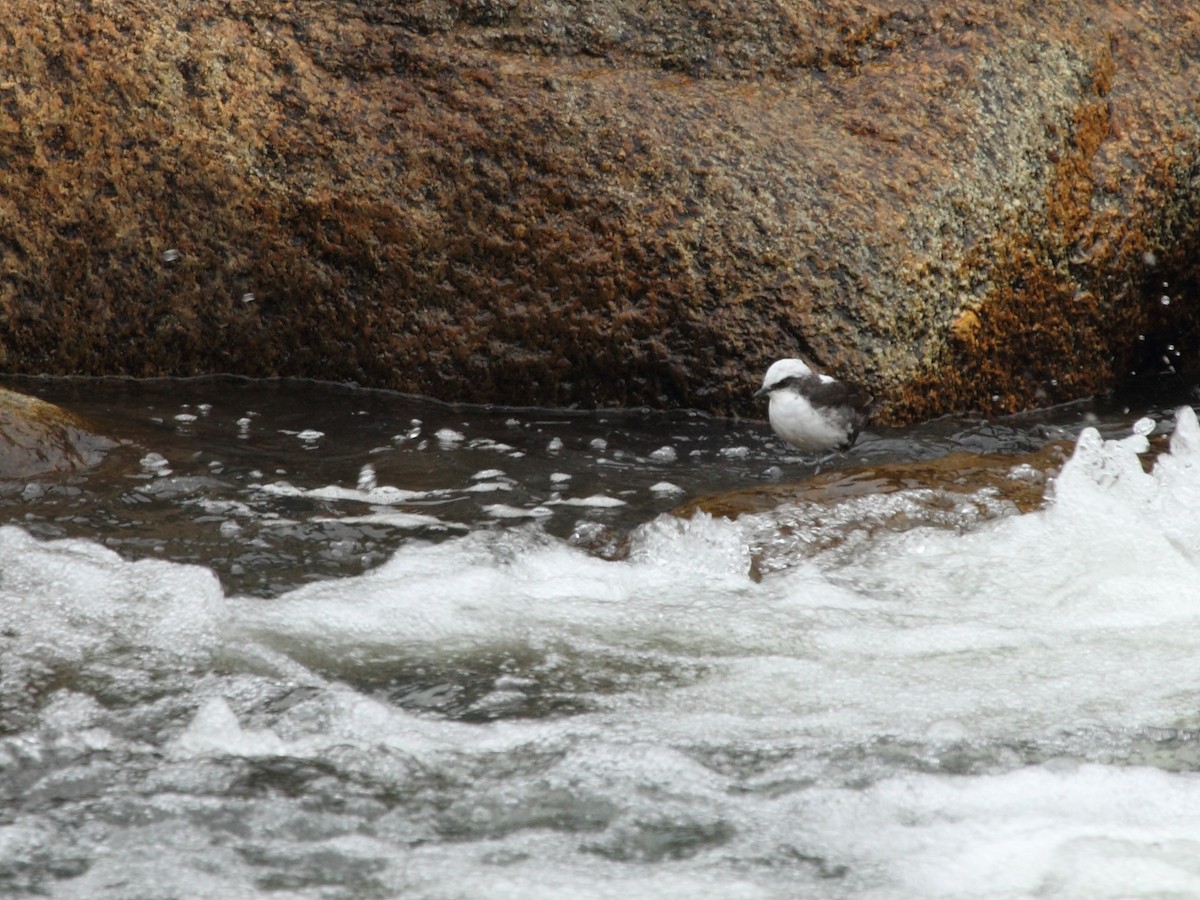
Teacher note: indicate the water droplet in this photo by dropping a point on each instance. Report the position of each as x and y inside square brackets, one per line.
[366, 478]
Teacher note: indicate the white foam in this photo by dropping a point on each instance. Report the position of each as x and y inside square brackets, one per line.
[599, 501]
[781, 735]
[504, 511]
[380, 495]
[488, 475]
[215, 730]
[392, 519]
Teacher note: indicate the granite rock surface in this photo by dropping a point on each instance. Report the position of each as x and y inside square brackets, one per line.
[604, 202]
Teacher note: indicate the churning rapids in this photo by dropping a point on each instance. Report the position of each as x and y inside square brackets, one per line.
[297, 640]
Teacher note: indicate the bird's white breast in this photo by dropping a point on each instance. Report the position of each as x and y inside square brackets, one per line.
[797, 422]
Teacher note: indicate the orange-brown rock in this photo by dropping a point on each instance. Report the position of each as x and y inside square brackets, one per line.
[1017, 480]
[966, 205]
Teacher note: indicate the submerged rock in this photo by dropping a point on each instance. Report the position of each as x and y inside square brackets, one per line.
[37, 438]
[1018, 480]
[841, 509]
[962, 205]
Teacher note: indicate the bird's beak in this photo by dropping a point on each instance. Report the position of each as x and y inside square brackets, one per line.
[761, 392]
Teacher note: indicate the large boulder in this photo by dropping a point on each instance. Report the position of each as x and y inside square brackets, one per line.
[965, 205]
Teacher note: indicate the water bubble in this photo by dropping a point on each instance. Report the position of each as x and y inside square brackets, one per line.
[664, 454]
[1164, 300]
[171, 255]
[555, 445]
[155, 463]
[598, 443]
[1144, 426]
[449, 436]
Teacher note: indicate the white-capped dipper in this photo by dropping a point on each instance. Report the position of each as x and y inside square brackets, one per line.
[813, 412]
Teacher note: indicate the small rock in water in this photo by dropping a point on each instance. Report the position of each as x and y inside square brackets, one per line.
[600, 540]
[39, 437]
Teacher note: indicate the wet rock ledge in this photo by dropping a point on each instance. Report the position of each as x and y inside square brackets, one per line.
[966, 205]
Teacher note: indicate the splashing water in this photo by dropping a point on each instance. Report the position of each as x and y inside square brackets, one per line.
[1005, 708]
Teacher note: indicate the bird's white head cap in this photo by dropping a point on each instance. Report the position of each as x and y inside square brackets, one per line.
[783, 369]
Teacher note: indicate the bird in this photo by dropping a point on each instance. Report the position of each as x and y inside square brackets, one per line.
[811, 411]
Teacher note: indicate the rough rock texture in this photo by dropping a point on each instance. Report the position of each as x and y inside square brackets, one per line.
[965, 205]
[38, 438]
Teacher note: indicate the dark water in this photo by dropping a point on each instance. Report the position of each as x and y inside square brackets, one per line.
[186, 482]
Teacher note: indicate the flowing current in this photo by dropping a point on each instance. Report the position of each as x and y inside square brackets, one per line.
[292, 640]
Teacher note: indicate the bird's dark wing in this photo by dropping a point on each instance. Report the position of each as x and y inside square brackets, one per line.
[836, 393]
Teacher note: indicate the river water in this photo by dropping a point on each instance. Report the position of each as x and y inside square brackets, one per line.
[301, 640]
